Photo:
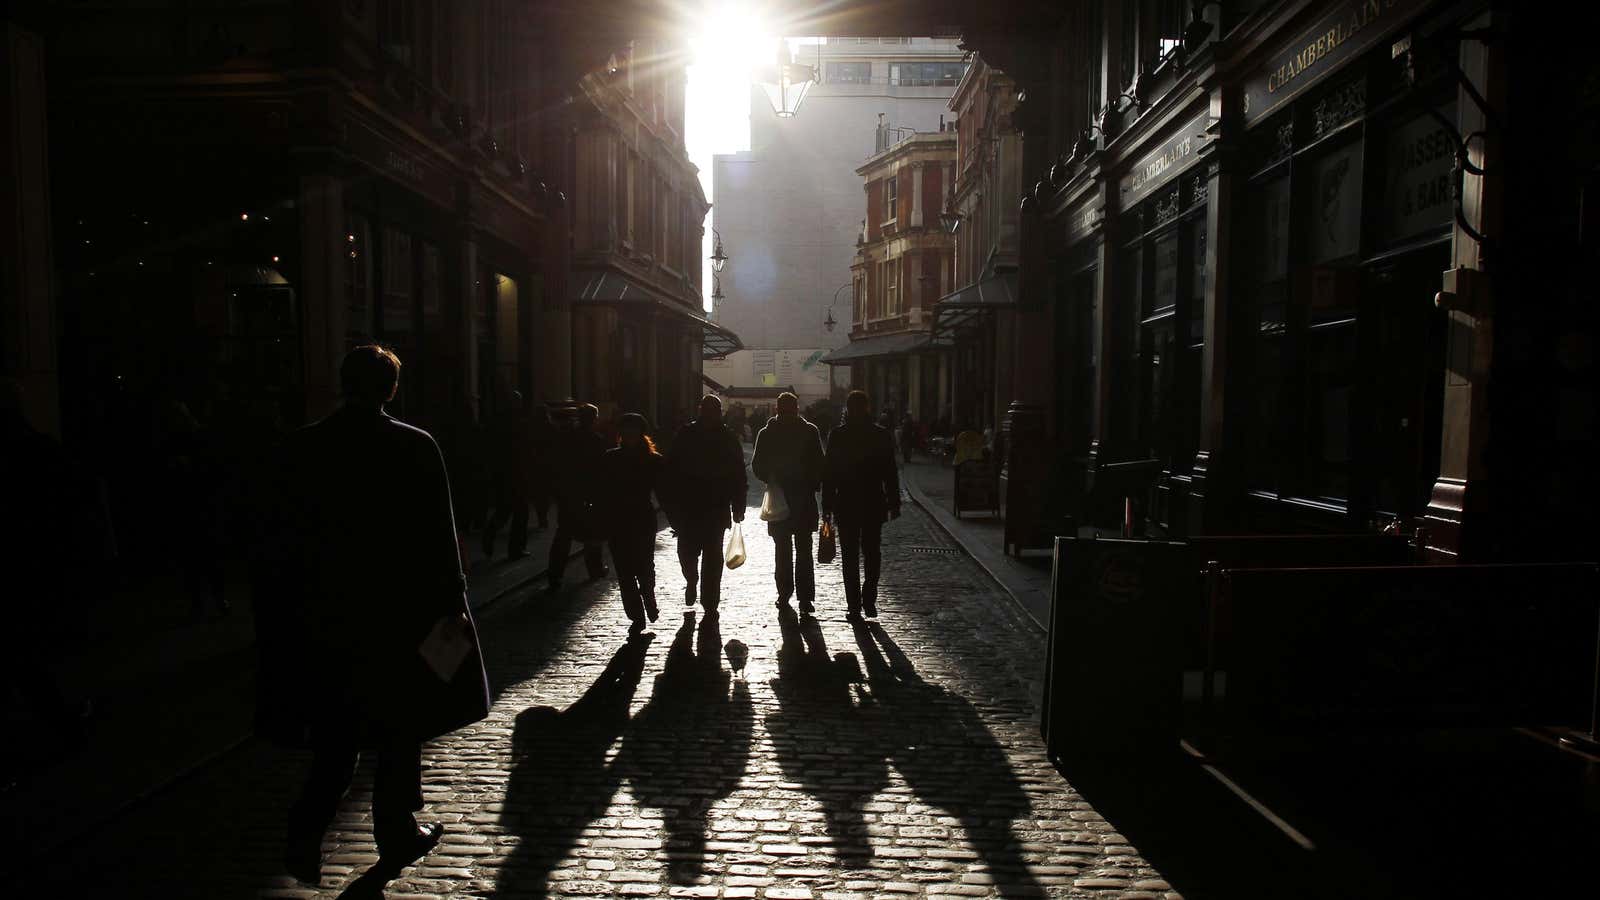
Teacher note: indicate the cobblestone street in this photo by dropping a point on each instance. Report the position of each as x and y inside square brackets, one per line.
[889, 759]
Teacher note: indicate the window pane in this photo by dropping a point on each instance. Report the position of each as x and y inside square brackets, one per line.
[1164, 287]
[1334, 219]
[1332, 352]
[1418, 158]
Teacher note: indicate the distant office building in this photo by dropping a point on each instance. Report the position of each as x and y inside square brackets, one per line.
[789, 210]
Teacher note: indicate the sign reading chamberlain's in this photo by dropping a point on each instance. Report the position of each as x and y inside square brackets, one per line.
[1340, 35]
[1165, 161]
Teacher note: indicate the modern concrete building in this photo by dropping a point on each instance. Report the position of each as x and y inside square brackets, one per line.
[789, 209]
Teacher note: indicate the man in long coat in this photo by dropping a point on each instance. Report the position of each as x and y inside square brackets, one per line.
[860, 489]
[364, 630]
[705, 495]
[789, 455]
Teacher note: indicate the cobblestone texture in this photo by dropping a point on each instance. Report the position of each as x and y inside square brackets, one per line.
[898, 759]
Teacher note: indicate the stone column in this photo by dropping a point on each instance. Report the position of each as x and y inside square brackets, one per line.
[326, 254]
[467, 288]
[29, 324]
[1213, 494]
[1459, 500]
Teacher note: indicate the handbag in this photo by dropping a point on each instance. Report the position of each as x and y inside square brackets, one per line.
[774, 505]
[733, 553]
[827, 545]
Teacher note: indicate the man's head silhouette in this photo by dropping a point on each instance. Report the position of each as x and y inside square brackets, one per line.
[370, 376]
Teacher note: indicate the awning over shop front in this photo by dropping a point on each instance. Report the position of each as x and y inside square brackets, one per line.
[881, 345]
[960, 312]
[607, 286]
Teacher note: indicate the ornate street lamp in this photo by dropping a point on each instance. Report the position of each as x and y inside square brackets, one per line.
[788, 81]
[830, 321]
[950, 220]
[716, 290]
[718, 258]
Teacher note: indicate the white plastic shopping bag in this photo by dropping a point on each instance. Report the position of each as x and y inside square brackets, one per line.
[733, 554]
[774, 505]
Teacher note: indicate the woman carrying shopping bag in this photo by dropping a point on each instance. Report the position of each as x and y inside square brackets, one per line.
[788, 458]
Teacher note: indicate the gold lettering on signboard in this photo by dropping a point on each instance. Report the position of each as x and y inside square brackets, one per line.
[1317, 48]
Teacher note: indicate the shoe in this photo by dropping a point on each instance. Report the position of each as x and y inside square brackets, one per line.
[650, 608]
[870, 607]
[303, 860]
[413, 848]
[807, 607]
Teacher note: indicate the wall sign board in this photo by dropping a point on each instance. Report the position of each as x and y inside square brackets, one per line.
[1339, 36]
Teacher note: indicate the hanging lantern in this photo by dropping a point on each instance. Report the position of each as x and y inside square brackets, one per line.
[786, 84]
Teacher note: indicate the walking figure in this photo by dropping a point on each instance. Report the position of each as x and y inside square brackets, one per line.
[788, 455]
[706, 495]
[575, 468]
[512, 479]
[366, 639]
[860, 489]
[629, 472]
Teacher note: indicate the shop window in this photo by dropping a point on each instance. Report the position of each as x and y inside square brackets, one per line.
[1418, 165]
[848, 73]
[926, 74]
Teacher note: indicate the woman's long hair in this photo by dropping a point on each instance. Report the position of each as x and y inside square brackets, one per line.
[649, 445]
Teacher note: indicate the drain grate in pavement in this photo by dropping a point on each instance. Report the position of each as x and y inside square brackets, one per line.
[933, 549]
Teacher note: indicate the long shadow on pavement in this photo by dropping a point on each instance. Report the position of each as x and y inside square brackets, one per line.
[949, 758]
[560, 781]
[823, 740]
[688, 747]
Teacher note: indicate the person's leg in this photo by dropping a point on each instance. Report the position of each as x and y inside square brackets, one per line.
[805, 583]
[783, 565]
[872, 551]
[517, 540]
[594, 558]
[396, 794]
[623, 559]
[711, 569]
[491, 528]
[332, 767]
[561, 545]
[689, 545]
[850, 561]
[645, 570]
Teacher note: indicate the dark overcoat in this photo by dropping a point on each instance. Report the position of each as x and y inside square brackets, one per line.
[361, 564]
[789, 453]
[705, 480]
[860, 482]
[628, 476]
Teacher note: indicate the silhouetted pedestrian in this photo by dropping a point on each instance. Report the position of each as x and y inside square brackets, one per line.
[542, 434]
[788, 455]
[908, 436]
[575, 469]
[629, 472]
[860, 489]
[511, 473]
[705, 496]
[365, 635]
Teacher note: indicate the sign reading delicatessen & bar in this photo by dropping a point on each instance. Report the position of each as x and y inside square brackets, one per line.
[1340, 35]
[1159, 165]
